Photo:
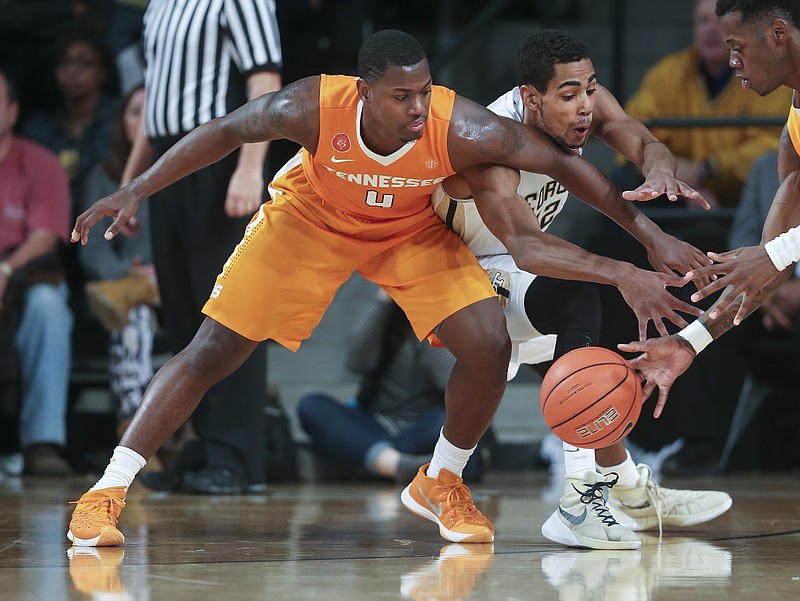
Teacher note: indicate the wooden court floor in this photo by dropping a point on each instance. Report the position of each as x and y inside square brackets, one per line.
[355, 541]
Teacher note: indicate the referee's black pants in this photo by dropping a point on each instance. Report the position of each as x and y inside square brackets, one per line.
[192, 238]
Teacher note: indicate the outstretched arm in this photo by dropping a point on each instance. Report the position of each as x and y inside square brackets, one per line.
[663, 360]
[291, 113]
[748, 270]
[634, 141]
[508, 217]
[479, 136]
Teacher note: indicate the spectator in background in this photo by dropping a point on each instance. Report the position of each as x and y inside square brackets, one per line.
[698, 82]
[392, 425]
[28, 30]
[78, 131]
[122, 289]
[34, 222]
[234, 48]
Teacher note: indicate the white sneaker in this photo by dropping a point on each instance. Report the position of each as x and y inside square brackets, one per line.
[647, 505]
[582, 518]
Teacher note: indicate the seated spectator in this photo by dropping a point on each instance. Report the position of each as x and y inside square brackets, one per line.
[34, 223]
[392, 425]
[698, 82]
[78, 131]
[122, 289]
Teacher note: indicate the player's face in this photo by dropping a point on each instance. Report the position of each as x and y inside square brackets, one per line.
[396, 107]
[564, 111]
[757, 52]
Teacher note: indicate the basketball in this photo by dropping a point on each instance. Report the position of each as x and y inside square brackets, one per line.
[591, 397]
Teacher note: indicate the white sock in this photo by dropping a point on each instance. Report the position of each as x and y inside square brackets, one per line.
[628, 474]
[122, 469]
[578, 461]
[449, 457]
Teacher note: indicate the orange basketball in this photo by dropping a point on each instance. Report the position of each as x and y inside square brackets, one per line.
[591, 397]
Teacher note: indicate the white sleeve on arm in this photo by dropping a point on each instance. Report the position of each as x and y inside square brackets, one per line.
[697, 335]
[784, 249]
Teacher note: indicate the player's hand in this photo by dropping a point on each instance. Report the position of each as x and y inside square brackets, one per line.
[661, 362]
[645, 292]
[667, 254]
[746, 270]
[245, 192]
[665, 183]
[121, 205]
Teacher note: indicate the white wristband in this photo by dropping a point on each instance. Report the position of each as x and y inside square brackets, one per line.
[784, 249]
[696, 335]
[6, 269]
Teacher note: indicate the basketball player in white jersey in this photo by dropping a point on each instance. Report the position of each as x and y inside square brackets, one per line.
[547, 317]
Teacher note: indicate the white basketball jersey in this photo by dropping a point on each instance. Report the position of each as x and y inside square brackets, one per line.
[545, 196]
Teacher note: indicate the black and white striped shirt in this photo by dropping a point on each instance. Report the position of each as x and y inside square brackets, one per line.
[199, 54]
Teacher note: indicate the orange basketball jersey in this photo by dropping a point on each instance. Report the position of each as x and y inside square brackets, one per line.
[357, 181]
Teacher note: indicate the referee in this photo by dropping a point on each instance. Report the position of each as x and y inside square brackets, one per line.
[205, 58]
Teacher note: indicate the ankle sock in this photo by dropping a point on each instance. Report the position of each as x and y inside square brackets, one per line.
[122, 469]
[628, 474]
[578, 461]
[449, 457]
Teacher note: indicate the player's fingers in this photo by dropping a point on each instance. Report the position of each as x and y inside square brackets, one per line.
[677, 320]
[708, 290]
[660, 327]
[632, 347]
[647, 390]
[663, 391]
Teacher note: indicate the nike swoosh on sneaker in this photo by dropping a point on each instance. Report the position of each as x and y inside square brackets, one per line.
[575, 520]
[437, 509]
[335, 160]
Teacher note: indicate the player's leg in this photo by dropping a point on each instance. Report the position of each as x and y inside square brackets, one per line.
[169, 400]
[582, 519]
[443, 290]
[237, 319]
[477, 336]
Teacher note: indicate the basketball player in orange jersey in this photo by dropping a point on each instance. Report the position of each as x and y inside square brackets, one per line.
[356, 198]
[559, 95]
[764, 41]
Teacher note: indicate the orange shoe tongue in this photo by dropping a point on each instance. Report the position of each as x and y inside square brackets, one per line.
[446, 477]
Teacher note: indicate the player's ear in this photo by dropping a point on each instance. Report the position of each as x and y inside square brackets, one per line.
[363, 89]
[779, 31]
[530, 97]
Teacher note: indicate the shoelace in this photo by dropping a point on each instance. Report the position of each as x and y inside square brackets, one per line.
[593, 495]
[108, 507]
[460, 499]
[653, 495]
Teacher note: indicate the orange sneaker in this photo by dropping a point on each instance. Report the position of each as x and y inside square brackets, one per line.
[447, 502]
[96, 570]
[94, 521]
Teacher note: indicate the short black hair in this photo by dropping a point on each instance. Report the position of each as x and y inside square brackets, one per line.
[11, 86]
[387, 48]
[541, 52]
[755, 10]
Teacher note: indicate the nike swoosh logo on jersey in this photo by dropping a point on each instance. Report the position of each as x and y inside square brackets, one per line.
[335, 160]
[575, 520]
[437, 509]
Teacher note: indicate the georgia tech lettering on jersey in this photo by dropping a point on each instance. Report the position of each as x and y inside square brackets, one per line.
[356, 180]
[545, 196]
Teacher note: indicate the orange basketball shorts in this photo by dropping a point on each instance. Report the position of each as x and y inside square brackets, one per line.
[298, 250]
